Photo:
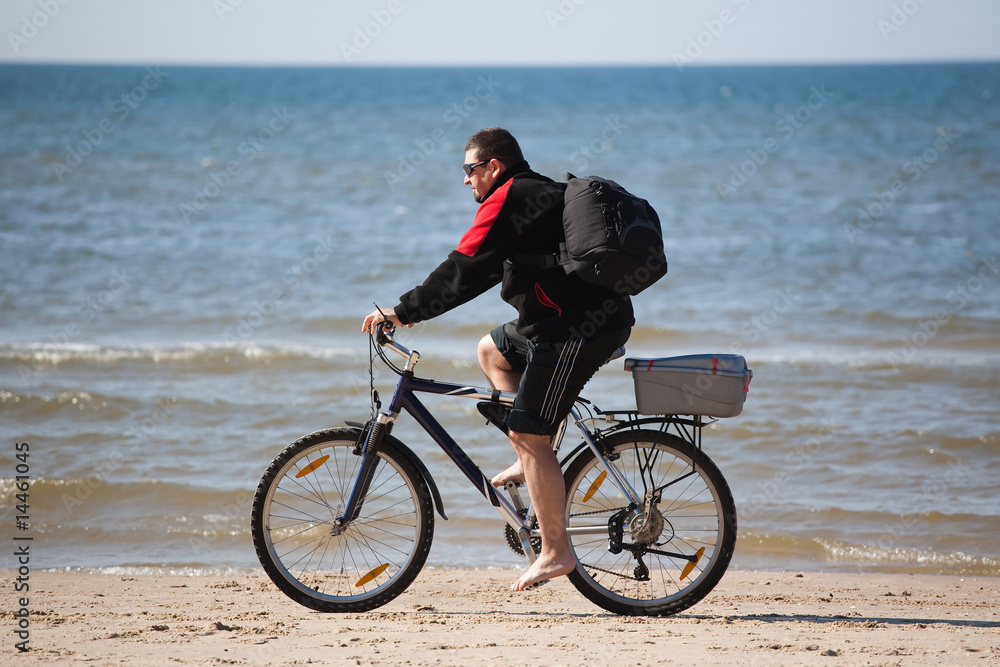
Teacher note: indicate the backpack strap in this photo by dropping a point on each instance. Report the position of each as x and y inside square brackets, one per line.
[552, 260]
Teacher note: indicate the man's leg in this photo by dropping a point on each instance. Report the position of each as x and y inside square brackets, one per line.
[553, 378]
[548, 497]
[502, 376]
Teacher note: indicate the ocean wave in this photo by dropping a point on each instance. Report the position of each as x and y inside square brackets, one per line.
[212, 356]
[986, 442]
[818, 553]
[52, 354]
[887, 558]
[44, 405]
[160, 570]
[64, 499]
[873, 358]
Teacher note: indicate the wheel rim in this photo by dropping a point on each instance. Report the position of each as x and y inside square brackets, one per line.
[693, 519]
[299, 510]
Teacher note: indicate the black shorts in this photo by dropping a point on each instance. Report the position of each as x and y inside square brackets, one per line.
[552, 374]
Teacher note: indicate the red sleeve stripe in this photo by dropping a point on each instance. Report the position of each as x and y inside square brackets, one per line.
[485, 216]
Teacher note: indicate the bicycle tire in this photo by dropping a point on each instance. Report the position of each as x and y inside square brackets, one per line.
[378, 555]
[697, 509]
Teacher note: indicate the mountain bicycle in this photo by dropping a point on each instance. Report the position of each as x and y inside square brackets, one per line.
[343, 518]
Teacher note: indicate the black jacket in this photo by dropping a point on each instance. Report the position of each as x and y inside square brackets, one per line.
[521, 214]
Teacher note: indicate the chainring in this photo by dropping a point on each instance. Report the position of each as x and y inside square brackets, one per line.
[515, 544]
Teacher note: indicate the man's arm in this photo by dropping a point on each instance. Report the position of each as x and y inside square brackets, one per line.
[458, 280]
[475, 266]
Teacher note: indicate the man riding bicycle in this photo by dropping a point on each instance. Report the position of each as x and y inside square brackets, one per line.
[543, 354]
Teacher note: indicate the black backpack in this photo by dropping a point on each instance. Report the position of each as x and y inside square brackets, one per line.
[613, 238]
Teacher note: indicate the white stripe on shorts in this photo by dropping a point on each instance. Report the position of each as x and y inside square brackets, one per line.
[557, 384]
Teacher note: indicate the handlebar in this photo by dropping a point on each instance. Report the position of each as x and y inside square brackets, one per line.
[383, 336]
[383, 332]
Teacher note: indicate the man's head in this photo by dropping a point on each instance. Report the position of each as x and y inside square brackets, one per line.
[487, 154]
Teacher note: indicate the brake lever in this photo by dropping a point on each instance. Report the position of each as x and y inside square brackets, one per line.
[383, 329]
[383, 333]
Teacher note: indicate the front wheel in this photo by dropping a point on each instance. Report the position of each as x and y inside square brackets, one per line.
[314, 561]
[664, 556]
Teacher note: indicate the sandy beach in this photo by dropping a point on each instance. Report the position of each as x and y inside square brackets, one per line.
[467, 617]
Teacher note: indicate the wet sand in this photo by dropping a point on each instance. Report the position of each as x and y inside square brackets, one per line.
[468, 617]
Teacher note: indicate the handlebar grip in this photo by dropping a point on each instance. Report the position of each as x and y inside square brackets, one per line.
[383, 332]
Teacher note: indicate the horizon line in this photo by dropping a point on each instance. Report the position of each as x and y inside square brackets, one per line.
[538, 65]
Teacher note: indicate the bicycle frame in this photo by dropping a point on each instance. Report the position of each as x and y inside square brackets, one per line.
[405, 399]
[651, 520]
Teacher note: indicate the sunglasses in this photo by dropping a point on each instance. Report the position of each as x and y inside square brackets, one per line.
[468, 168]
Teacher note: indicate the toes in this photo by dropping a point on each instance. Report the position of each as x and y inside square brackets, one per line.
[519, 587]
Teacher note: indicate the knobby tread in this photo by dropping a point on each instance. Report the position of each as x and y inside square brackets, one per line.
[727, 530]
[381, 595]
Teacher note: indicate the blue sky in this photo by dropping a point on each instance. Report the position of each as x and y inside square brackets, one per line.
[510, 32]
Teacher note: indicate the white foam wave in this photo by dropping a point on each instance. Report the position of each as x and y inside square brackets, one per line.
[872, 358]
[54, 354]
[881, 555]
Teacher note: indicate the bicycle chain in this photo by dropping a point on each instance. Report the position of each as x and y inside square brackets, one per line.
[515, 544]
[602, 511]
[616, 574]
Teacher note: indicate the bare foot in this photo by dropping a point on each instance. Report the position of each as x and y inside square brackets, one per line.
[544, 569]
[511, 474]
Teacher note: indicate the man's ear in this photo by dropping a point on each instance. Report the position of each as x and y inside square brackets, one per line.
[497, 167]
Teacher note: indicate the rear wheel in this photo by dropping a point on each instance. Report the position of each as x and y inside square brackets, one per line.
[316, 563]
[661, 557]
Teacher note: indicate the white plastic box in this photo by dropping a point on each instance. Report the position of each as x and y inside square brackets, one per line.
[710, 385]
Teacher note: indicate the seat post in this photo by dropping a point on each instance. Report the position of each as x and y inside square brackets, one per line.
[560, 432]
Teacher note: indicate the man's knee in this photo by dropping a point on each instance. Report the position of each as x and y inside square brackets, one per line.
[530, 442]
[485, 343]
[490, 357]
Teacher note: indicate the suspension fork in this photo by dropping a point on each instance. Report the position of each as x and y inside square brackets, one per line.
[368, 446]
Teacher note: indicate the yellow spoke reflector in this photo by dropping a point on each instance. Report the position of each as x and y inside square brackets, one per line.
[691, 564]
[595, 486]
[312, 466]
[371, 575]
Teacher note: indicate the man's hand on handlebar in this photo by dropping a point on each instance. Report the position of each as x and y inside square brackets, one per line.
[386, 315]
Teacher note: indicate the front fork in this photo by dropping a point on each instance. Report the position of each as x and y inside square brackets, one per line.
[367, 445]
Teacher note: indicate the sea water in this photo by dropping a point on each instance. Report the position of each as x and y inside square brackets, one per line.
[187, 255]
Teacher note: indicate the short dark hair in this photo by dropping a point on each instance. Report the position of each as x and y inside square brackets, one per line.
[495, 142]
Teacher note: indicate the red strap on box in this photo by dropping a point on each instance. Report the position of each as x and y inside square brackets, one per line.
[649, 365]
[715, 362]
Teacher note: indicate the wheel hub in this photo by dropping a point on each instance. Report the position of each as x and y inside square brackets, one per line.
[646, 527]
[336, 527]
